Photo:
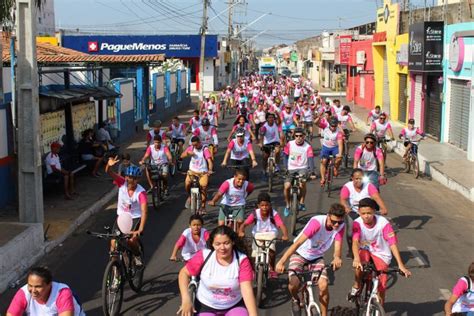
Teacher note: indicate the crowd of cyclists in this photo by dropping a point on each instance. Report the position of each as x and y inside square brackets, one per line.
[274, 116]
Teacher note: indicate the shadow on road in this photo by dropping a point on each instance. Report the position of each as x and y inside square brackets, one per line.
[405, 221]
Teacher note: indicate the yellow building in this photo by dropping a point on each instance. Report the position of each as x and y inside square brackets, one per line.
[390, 58]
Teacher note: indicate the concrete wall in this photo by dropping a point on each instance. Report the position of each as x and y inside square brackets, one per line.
[360, 88]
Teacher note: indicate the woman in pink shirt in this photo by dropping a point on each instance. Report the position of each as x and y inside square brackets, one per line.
[226, 275]
[462, 299]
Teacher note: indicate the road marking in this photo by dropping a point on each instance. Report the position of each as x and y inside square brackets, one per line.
[418, 257]
[445, 294]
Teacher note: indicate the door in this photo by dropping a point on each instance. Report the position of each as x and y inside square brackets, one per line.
[418, 99]
[433, 107]
[459, 113]
[386, 88]
[402, 98]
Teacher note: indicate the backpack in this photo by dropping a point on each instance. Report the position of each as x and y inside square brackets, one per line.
[469, 284]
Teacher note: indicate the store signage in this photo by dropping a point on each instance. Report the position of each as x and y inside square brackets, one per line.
[402, 55]
[171, 45]
[343, 49]
[456, 53]
[366, 72]
[327, 56]
[425, 48]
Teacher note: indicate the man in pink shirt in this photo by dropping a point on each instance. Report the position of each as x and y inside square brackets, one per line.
[373, 239]
[370, 159]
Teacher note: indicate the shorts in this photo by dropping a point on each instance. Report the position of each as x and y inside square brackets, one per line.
[297, 263]
[303, 172]
[296, 99]
[308, 124]
[254, 246]
[237, 212]
[163, 167]
[268, 147]
[135, 225]
[286, 128]
[177, 141]
[326, 152]
[236, 310]
[203, 178]
[380, 265]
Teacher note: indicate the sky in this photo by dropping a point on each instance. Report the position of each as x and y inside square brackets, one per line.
[286, 21]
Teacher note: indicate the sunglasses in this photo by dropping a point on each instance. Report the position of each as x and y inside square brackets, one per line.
[382, 118]
[299, 135]
[240, 135]
[369, 143]
[336, 222]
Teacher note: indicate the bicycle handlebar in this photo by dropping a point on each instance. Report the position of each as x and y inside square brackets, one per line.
[371, 268]
[301, 273]
[117, 235]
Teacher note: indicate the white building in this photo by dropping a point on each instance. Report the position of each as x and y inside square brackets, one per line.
[45, 19]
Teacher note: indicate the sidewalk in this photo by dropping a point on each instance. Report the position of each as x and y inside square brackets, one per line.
[21, 245]
[441, 161]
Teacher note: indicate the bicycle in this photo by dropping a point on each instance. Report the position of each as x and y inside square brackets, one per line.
[120, 268]
[176, 154]
[411, 161]
[271, 167]
[296, 180]
[382, 144]
[263, 242]
[195, 195]
[367, 300]
[244, 166]
[157, 192]
[193, 283]
[307, 289]
[329, 175]
[345, 149]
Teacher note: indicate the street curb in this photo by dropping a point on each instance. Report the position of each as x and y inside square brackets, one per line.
[425, 165]
[18, 272]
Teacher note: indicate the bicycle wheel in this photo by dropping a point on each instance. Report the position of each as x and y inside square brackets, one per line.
[223, 112]
[294, 212]
[194, 203]
[135, 276]
[407, 164]
[346, 155]
[329, 172]
[192, 292]
[374, 309]
[314, 312]
[415, 166]
[156, 196]
[112, 288]
[270, 175]
[260, 276]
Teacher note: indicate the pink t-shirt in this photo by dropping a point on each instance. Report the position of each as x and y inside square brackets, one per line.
[387, 232]
[345, 193]
[314, 226]
[64, 302]
[460, 288]
[232, 144]
[165, 149]
[251, 219]
[182, 239]
[366, 158]
[195, 264]
[119, 181]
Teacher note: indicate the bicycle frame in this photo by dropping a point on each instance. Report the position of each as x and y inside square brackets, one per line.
[195, 194]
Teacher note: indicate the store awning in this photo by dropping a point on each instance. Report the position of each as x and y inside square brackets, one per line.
[79, 93]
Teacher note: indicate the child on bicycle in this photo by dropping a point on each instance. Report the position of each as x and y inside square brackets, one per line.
[410, 136]
[233, 192]
[462, 299]
[192, 239]
[373, 239]
[265, 220]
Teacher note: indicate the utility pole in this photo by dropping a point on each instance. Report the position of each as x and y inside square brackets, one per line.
[229, 37]
[203, 50]
[30, 187]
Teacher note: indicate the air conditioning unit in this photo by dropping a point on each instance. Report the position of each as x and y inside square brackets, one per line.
[360, 57]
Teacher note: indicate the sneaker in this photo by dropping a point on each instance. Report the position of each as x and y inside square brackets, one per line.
[302, 208]
[138, 261]
[352, 294]
[286, 212]
[295, 307]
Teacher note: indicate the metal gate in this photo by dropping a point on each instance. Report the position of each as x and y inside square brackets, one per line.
[417, 103]
[433, 107]
[386, 88]
[459, 113]
[402, 98]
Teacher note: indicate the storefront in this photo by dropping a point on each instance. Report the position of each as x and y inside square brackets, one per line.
[384, 48]
[360, 84]
[184, 47]
[458, 76]
[425, 65]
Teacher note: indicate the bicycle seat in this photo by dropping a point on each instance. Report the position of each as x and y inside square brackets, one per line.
[267, 236]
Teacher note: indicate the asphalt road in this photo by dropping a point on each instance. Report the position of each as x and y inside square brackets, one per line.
[435, 238]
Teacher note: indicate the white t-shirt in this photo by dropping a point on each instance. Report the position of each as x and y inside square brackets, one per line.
[129, 204]
[52, 160]
[298, 155]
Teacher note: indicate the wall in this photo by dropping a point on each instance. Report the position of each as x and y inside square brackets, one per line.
[354, 87]
[397, 69]
[208, 75]
[7, 190]
[466, 73]
[125, 119]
